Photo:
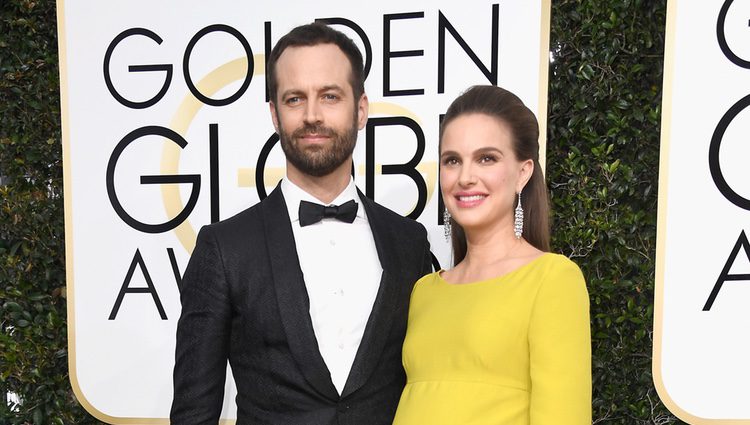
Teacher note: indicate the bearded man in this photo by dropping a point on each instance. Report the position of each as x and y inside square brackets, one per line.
[305, 293]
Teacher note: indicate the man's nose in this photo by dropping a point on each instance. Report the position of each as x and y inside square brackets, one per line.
[313, 113]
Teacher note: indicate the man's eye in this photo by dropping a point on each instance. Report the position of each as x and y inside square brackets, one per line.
[292, 100]
[330, 97]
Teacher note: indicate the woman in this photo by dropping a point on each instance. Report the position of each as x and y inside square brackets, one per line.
[503, 337]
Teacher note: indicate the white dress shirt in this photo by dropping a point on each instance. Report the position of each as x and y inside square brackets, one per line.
[342, 274]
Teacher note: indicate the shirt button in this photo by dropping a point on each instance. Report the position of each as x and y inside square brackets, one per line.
[332, 242]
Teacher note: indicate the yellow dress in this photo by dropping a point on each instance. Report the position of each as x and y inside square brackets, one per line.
[511, 350]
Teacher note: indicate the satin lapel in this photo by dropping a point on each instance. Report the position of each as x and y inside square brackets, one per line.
[291, 294]
[380, 321]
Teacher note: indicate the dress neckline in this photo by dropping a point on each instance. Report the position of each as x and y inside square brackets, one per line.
[441, 280]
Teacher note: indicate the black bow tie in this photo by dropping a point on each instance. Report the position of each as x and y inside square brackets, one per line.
[310, 213]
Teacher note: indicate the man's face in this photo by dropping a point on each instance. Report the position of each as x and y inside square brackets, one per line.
[315, 113]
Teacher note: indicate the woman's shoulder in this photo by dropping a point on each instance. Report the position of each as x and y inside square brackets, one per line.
[561, 275]
[559, 264]
[430, 277]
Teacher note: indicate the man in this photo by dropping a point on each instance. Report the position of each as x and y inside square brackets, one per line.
[310, 312]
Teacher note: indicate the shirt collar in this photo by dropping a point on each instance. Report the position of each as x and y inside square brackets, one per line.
[293, 194]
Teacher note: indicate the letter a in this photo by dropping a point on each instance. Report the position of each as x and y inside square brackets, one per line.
[743, 243]
[150, 289]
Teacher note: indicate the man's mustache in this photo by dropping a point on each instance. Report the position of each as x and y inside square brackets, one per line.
[318, 130]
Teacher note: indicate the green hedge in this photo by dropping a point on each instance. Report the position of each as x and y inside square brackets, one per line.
[603, 161]
[33, 342]
[604, 110]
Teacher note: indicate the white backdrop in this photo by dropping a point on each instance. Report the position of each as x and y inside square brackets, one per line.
[127, 68]
[701, 347]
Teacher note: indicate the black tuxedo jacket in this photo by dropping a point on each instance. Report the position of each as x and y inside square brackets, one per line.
[244, 299]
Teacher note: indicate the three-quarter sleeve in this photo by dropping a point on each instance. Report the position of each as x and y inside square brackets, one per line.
[560, 349]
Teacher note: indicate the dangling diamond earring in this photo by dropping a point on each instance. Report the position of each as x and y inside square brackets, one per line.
[518, 223]
[447, 224]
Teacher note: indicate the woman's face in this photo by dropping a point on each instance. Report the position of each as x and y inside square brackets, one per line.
[480, 175]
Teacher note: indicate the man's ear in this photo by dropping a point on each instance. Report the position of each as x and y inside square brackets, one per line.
[363, 110]
[274, 117]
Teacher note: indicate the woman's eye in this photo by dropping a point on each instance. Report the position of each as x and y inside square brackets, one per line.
[450, 161]
[486, 159]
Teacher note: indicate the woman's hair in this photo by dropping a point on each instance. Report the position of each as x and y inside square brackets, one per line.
[507, 108]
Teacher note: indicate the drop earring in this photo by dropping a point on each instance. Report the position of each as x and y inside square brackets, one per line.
[518, 223]
[447, 224]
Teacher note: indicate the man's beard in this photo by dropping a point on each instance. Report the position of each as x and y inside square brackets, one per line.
[319, 160]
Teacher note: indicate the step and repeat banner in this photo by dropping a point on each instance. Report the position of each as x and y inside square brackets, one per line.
[701, 362]
[166, 128]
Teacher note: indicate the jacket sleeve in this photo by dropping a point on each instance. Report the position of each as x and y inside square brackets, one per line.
[202, 336]
[427, 257]
[560, 350]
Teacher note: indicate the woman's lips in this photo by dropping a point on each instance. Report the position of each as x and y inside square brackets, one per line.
[468, 200]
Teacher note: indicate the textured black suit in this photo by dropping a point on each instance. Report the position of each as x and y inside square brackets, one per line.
[244, 299]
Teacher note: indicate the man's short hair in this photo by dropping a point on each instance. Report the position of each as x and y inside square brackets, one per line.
[313, 35]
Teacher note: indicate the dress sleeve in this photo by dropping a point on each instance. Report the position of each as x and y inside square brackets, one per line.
[202, 336]
[560, 349]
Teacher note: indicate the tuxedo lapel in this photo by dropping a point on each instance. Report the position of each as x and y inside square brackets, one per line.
[380, 321]
[291, 294]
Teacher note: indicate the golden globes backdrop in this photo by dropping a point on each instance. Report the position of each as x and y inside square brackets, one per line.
[166, 128]
[701, 362]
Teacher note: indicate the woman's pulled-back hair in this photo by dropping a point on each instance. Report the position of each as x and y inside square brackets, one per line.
[507, 108]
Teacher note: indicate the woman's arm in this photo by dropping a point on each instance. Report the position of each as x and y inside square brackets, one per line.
[560, 349]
